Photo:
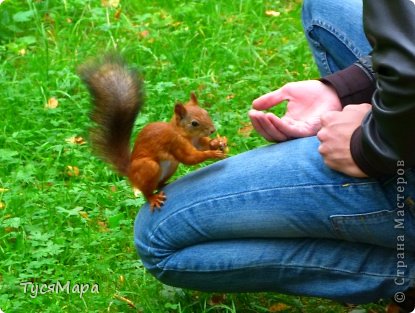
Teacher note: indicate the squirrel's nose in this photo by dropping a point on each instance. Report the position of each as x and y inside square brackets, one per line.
[212, 130]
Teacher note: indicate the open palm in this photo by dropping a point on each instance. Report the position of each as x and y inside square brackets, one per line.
[307, 101]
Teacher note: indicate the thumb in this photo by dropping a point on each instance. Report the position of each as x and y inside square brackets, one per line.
[269, 100]
[363, 107]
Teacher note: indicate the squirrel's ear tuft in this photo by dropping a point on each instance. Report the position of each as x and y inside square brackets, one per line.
[180, 111]
[193, 99]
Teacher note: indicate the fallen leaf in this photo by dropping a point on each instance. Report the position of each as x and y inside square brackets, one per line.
[245, 130]
[278, 307]
[83, 214]
[126, 300]
[2, 205]
[144, 33]
[121, 279]
[272, 13]
[49, 18]
[72, 170]
[102, 227]
[229, 97]
[217, 299]
[52, 103]
[3, 189]
[201, 87]
[22, 52]
[176, 24]
[163, 14]
[231, 19]
[118, 14]
[110, 3]
[76, 140]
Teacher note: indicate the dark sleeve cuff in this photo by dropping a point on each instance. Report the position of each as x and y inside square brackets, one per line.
[356, 150]
[366, 159]
[353, 85]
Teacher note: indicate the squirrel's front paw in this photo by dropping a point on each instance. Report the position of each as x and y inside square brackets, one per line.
[217, 154]
[219, 143]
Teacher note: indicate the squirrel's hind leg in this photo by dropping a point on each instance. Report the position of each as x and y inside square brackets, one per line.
[144, 175]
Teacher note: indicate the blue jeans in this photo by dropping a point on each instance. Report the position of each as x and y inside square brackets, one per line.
[277, 219]
[334, 30]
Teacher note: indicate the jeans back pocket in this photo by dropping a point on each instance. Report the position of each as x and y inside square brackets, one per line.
[386, 228]
[383, 228]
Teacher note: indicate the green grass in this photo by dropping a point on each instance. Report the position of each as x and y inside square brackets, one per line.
[64, 216]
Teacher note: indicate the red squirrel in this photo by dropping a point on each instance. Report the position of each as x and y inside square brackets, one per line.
[117, 96]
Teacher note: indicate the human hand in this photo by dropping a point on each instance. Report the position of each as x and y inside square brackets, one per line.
[307, 101]
[335, 136]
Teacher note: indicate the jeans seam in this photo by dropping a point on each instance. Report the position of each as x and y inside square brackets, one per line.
[166, 268]
[322, 54]
[230, 195]
[332, 30]
[341, 36]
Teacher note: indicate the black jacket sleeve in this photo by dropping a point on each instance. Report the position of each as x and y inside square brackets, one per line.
[387, 134]
[354, 84]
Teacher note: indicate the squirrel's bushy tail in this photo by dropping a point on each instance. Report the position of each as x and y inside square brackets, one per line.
[117, 96]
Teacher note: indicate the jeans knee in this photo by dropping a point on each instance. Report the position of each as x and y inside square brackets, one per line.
[152, 258]
[309, 11]
[143, 243]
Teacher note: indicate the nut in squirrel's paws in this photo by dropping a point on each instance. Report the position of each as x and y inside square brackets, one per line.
[219, 143]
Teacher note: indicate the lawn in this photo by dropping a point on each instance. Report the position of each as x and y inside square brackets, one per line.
[65, 217]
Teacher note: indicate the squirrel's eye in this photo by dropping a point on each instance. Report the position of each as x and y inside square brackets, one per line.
[195, 123]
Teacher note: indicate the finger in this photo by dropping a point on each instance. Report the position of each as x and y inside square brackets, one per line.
[265, 127]
[322, 149]
[258, 127]
[364, 107]
[328, 117]
[289, 127]
[321, 136]
[269, 100]
[272, 130]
